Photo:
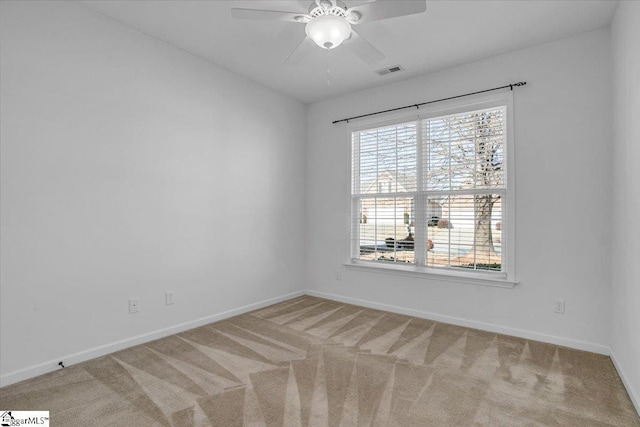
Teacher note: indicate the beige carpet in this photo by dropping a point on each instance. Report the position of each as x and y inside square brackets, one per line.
[313, 362]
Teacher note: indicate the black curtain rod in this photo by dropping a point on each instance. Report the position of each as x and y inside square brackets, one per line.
[510, 86]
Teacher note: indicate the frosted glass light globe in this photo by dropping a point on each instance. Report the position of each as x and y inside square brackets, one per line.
[328, 31]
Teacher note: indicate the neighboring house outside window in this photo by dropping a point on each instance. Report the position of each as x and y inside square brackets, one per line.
[433, 193]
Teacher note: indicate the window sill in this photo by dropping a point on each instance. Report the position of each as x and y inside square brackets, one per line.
[483, 279]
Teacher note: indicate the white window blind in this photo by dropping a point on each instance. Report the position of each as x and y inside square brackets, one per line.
[430, 194]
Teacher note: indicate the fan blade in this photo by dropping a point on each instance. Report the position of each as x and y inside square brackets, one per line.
[382, 9]
[363, 49]
[304, 4]
[274, 15]
[300, 52]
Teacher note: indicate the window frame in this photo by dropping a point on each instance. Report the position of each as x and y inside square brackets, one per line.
[505, 278]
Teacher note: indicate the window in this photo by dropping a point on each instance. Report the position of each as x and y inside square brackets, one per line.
[431, 194]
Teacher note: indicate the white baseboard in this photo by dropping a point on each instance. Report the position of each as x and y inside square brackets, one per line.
[92, 353]
[551, 339]
[633, 395]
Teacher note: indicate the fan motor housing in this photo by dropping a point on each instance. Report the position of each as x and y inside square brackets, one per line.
[336, 8]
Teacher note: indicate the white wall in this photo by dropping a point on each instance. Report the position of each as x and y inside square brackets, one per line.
[625, 327]
[563, 209]
[130, 168]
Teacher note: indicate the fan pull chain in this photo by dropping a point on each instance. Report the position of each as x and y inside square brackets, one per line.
[328, 70]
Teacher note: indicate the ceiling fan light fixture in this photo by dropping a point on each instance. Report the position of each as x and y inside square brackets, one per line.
[328, 31]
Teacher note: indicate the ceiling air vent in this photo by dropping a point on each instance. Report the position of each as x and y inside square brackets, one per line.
[389, 70]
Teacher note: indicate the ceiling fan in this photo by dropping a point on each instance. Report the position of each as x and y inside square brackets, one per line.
[328, 23]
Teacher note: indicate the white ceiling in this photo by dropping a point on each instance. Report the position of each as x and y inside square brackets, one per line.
[447, 34]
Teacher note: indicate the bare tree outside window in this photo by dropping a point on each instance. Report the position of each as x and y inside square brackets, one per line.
[466, 152]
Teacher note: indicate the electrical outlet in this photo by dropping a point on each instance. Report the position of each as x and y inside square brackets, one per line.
[169, 297]
[338, 275]
[558, 306]
[133, 305]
